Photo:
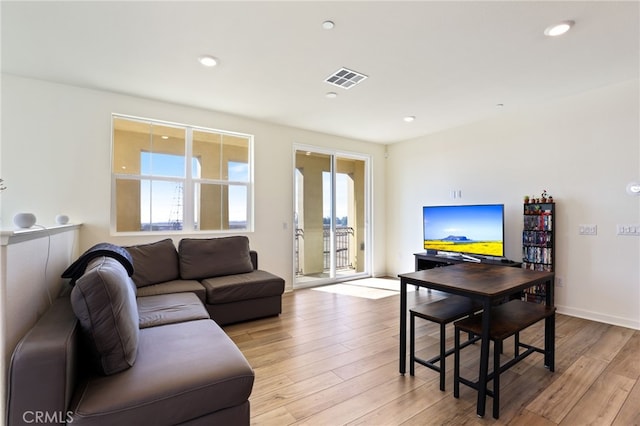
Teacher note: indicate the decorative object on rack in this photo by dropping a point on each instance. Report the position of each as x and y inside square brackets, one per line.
[24, 220]
[526, 199]
[62, 219]
[543, 196]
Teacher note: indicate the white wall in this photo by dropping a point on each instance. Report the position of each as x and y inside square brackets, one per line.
[583, 150]
[56, 147]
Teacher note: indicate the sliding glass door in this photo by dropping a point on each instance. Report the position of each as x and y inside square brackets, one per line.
[331, 234]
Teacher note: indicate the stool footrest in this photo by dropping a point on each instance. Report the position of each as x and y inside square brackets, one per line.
[432, 361]
[442, 312]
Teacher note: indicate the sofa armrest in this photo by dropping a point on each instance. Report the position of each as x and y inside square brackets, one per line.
[43, 368]
[254, 258]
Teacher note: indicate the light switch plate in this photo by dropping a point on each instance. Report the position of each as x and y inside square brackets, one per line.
[588, 229]
[632, 229]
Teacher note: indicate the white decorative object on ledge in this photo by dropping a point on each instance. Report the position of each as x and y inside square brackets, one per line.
[62, 219]
[24, 220]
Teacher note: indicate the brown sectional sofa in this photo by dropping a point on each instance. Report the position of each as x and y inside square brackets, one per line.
[121, 349]
[222, 272]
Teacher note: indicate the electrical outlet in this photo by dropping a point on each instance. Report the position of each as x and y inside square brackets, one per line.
[559, 282]
[633, 230]
[588, 229]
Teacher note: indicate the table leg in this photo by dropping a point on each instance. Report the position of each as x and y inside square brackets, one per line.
[550, 342]
[403, 326]
[550, 328]
[484, 357]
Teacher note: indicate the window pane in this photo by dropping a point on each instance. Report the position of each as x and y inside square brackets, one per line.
[161, 205]
[129, 139]
[210, 207]
[206, 149]
[238, 172]
[127, 205]
[133, 139]
[221, 207]
[217, 152]
[237, 207]
[235, 151]
[154, 164]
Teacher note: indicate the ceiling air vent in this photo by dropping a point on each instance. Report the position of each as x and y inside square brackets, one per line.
[345, 78]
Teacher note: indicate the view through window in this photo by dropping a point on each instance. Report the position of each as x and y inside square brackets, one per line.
[169, 177]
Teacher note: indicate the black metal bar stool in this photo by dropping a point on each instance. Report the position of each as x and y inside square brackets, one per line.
[442, 312]
[507, 320]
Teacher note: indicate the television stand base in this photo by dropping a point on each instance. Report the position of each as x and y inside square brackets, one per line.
[428, 261]
[468, 258]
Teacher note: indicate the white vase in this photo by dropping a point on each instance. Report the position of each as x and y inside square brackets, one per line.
[24, 220]
[62, 219]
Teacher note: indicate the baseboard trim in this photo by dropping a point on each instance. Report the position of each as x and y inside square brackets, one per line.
[599, 317]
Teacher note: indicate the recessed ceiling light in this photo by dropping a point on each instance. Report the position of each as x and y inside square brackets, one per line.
[165, 137]
[328, 25]
[331, 95]
[558, 29]
[409, 118]
[208, 61]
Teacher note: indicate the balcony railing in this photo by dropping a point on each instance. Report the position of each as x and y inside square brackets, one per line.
[344, 237]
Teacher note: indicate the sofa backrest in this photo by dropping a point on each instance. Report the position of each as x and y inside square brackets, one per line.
[104, 300]
[160, 262]
[154, 263]
[202, 258]
[44, 367]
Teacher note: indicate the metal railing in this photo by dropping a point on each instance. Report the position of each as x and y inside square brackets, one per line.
[344, 237]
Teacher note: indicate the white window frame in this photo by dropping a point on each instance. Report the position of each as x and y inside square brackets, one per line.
[189, 182]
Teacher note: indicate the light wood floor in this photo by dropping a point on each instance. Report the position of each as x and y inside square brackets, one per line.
[332, 359]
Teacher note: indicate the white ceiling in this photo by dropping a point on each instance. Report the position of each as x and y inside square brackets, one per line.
[447, 63]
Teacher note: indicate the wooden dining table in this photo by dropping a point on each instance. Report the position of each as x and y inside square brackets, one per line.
[486, 283]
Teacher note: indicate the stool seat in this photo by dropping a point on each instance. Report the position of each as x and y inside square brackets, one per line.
[507, 320]
[446, 310]
[442, 312]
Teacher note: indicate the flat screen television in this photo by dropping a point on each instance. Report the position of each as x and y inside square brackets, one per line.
[464, 230]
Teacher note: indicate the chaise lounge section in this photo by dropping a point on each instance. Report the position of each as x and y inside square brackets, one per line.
[97, 358]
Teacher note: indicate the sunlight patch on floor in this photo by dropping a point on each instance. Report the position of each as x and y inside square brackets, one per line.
[368, 288]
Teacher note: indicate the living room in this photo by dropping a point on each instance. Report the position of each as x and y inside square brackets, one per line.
[582, 146]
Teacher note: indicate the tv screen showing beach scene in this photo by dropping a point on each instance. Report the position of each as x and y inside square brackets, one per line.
[468, 229]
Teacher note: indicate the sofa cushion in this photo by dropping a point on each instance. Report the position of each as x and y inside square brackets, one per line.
[154, 263]
[252, 285]
[184, 371]
[169, 309]
[175, 286]
[104, 301]
[213, 257]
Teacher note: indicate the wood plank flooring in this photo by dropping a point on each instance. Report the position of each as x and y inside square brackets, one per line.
[332, 359]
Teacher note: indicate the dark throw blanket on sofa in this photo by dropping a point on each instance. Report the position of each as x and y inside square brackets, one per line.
[78, 267]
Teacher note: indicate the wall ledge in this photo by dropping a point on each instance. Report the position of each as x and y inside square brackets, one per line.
[13, 236]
